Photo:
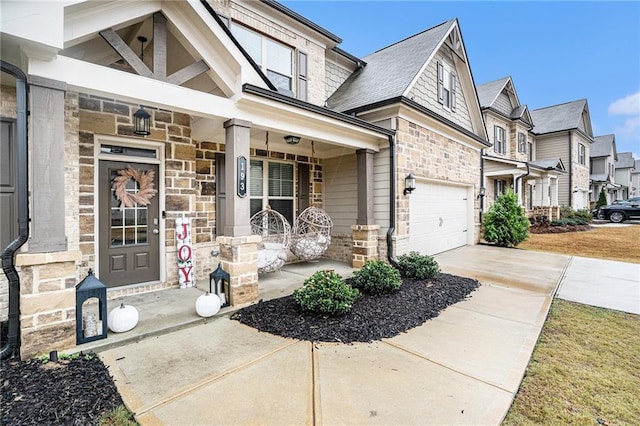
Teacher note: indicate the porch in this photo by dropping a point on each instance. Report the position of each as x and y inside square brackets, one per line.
[168, 310]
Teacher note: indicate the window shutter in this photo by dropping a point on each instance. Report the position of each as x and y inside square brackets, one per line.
[303, 186]
[302, 76]
[440, 83]
[453, 92]
[496, 148]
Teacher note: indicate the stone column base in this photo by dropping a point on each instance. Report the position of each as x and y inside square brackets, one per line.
[365, 244]
[239, 257]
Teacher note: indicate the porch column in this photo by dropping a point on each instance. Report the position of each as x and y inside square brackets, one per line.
[239, 256]
[365, 186]
[365, 244]
[237, 208]
[518, 188]
[554, 191]
[545, 192]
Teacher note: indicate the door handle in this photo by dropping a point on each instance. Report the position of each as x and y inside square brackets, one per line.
[155, 232]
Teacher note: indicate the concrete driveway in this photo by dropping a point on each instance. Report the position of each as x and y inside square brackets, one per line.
[463, 367]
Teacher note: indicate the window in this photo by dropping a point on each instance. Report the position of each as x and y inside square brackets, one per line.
[581, 153]
[530, 151]
[522, 143]
[499, 140]
[8, 200]
[446, 87]
[499, 187]
[275, 59]
[271, 183]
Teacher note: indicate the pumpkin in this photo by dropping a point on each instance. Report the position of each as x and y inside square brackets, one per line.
[122, 318]
[208, 305]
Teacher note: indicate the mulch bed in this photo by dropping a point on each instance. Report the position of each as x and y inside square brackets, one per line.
[75, 392]
[371, 318]
[558, 229]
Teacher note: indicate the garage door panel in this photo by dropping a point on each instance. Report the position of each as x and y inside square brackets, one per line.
[438, 218]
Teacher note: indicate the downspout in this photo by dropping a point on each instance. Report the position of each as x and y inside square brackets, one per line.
[8, 266]
[392, 201]
[570, 171]
[515, 183]
[481, 184]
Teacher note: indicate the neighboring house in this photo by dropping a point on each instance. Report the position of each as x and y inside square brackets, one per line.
[223, 83]
[624, 167]
[602, 159]
[512, 161]
[565, 131]
[634, 188]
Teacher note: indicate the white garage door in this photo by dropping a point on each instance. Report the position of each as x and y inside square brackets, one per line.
[438, 218]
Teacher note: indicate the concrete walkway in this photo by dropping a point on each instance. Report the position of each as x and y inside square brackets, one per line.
[463, 367]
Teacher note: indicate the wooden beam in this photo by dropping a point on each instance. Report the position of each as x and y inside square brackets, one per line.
[125, 51]
[159, 46]
[188, 72]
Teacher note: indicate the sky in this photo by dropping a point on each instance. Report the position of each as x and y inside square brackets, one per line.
[555, 52]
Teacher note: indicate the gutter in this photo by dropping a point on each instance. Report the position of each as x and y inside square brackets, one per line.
[392, 201]
[570, 171]
[515, 183]
[11, 348]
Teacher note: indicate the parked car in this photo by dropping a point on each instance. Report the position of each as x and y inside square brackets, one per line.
[629, 200]
[618, 213]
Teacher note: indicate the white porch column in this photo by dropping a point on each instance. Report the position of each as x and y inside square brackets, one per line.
[517, 186]
[545, 192]
[554, 191]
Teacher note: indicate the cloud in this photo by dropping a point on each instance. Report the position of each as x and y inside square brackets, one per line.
[631, 126]
[629, 105]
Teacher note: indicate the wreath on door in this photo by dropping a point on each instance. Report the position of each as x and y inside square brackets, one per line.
[145, 192]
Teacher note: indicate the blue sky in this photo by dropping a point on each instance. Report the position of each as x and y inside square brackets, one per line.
[556, 52]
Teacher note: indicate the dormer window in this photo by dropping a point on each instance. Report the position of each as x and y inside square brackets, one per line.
[274, 58]
[446, 87]
[522, 143]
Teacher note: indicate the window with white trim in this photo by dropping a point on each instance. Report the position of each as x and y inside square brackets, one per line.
[499, 140]
[274, 58]
[530, 151]
[522, 143]
[446, 86]
[581, 153]
[271, 183]
[499, 187]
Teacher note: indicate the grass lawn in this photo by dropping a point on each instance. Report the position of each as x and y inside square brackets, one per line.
[612, 243]
[585, 370]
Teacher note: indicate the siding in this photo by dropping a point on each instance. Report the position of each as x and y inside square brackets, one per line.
[598, 166]
[554, 147]
[381, 189]
[425, 91]
[340, 189]
[503, 104]
[335, 75]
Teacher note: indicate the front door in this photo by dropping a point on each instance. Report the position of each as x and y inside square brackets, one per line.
[128, 240]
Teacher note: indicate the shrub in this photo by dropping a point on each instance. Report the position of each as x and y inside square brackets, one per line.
[325, 292]
[505, 224]
[584, 215]
[539, 220]
[417, 266]
[602, 199]
[566, 212]
[377, 277]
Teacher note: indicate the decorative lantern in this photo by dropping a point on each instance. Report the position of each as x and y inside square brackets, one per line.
[87, 289]
[207, 305]
[142, 122]
[221, 279]
[409, 184]
[123, 318]
[292, 140]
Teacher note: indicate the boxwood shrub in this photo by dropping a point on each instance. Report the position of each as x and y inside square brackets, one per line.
[417, 266]
[377, 277]
[326, 292]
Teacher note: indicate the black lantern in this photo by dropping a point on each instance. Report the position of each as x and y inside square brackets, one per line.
[292, 140]
[482, 191]
[86, 325]
[220, 279]
[142, 122]
[409, 184]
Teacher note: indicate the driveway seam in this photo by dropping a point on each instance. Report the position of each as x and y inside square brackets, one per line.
[563, 275]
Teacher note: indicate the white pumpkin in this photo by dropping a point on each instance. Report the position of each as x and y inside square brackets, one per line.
[123, 318]
[208, 305]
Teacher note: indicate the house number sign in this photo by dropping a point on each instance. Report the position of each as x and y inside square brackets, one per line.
[242, 176]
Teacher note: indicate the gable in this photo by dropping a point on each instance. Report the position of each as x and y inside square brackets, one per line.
[190, 49]
[503, 103]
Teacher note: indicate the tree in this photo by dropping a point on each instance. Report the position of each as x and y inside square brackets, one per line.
[505, 224]
[602, 199]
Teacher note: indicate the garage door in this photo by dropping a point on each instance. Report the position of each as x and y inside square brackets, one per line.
[438, 218]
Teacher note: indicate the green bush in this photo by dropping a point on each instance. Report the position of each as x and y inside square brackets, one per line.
[325, 292]
[417, 266]
[584, 215]
[566, 212]
[539, 220]
[377, 277]
[602, 199]
[567, 221]
[505, 224]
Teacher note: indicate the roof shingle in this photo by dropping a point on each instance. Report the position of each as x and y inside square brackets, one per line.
[558, 117]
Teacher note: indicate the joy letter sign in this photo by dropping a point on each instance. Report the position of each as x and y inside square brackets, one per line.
[186, 273]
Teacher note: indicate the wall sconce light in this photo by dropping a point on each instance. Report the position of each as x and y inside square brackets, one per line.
[409, 184]
[292, 140]
[482, 192]
[142, 122]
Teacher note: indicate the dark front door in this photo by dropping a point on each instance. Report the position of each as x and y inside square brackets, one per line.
[128, 240]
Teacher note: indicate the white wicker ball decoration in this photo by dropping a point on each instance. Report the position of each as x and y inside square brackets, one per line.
[123, 318]
[276, 234]
[311, 233]
[207, 305]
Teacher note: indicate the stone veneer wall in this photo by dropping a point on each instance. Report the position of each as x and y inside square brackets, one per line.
[7, 110]
[430, 155]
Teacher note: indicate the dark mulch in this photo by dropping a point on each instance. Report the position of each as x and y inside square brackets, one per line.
[371, 318]
[75, 392]
[558, 229]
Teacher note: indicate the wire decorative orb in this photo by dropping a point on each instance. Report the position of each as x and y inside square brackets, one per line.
[311, 233]
[276, 238]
